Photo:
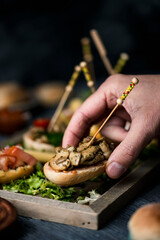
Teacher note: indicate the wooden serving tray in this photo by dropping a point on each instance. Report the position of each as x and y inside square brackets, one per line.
[92, 216]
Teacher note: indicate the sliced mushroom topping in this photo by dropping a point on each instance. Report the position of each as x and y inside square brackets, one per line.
[87, 139]
[112, 145]
[75, 158]
[98, 140]
[60, 164]
[42, 139]
[82, 147]
[36, 132]
[58, 149]
[89, 153]
[99, 157]
[67, 159]
[104, 147]
[71, 149]
[62, 152]
[107, 154]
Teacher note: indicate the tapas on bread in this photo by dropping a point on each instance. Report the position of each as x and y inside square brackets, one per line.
[39, 142]
[15, 163]
[73, 165]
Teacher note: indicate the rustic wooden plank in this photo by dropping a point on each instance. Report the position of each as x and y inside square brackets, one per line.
[93, 216]
[52, 210]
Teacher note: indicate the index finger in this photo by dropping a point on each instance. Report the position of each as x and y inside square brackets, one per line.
[93, 109]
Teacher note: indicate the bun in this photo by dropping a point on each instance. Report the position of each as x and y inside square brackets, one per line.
[11, 93]
[34, 145]
[50, 93]
[42, 157]
[12, 174]
[73, 165]
[145, 223]
[75, 176]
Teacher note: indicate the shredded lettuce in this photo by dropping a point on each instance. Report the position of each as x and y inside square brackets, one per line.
[36, 184]
[93, 196]
[54, 138]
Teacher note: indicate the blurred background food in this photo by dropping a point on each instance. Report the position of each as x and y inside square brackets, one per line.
[49, 94]
[40, 45]
[12, 121]
[13, 95]
[144, 224]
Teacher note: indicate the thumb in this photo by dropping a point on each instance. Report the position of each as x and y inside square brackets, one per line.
[129, 149]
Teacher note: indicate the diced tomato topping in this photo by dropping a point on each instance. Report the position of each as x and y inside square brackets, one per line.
[41, 122]
[7, 161]
[14, 157]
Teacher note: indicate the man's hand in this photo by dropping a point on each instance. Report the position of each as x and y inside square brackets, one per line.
[141, 108]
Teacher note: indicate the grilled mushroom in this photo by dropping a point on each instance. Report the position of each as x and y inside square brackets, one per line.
[71, 149]
[99, 157]
[66, 159]
[105, 149]
[86, 139]
[75, 158]
[89, 153]
[62, 152]
[82, 146]
[60, 164]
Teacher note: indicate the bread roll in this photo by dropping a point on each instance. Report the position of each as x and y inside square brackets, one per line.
[12, 174]
[50, 93]
[75, 176]
[145, 223]
[34, 145]
[11, 93]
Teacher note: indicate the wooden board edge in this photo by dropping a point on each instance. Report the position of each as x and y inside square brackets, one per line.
[98, 213]
[52, 210]
[121, 193]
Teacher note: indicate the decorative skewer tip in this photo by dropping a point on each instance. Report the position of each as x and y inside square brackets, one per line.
[90, 84]
[93, 30]
[77, 68]
[124, 56]
[85, 40]
[119, 101]
[135, 80]
[83, 64]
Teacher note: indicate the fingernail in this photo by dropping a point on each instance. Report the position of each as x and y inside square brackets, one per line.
[115, 170]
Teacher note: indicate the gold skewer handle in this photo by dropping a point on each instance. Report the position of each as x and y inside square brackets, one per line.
[64, 98]
[124, 57]
[87, 75]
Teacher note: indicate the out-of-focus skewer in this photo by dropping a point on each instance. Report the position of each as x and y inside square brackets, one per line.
[102, 51]
[64, 98]
[119, 102]
[124, 57]
[87, 75]
[87, 56]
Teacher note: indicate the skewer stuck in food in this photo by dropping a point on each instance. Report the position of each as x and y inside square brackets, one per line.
[119, 102]
[73, 165]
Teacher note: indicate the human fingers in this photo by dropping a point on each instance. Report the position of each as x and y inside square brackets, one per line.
[128, 150]
[114, 129]
[93, 109]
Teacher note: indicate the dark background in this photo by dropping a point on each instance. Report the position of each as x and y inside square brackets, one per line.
[41, 41]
